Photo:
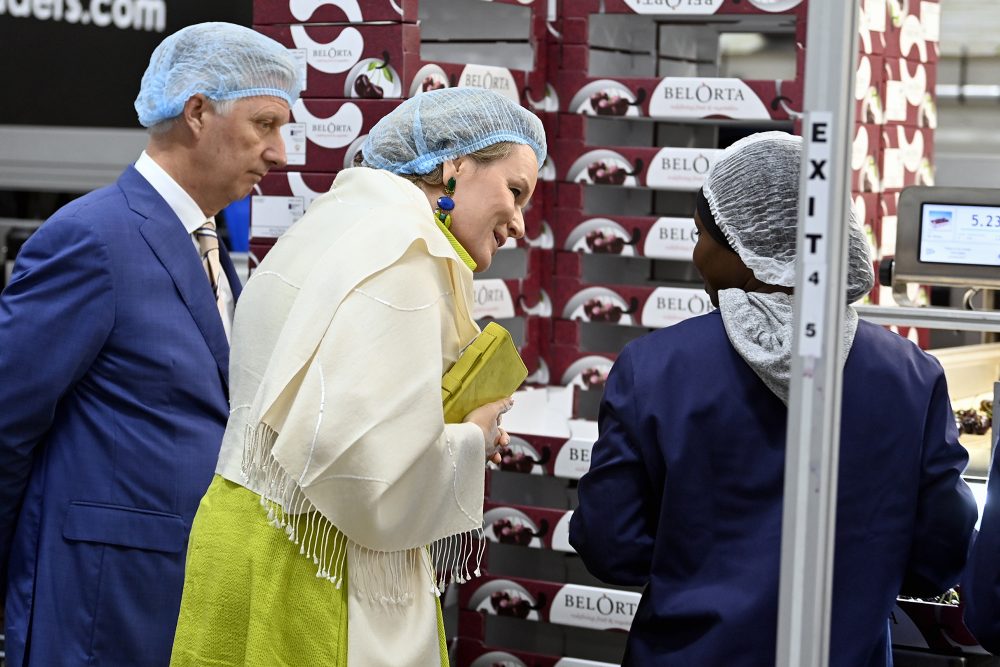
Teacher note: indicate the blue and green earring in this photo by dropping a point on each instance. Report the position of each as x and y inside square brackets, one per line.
[445, 204]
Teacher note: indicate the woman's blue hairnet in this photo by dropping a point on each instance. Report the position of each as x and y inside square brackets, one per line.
[222, 61]
[440, 125]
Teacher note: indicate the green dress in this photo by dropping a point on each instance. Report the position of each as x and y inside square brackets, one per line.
[250, 599]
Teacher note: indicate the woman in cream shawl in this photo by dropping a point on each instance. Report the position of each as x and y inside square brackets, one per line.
[342, 502]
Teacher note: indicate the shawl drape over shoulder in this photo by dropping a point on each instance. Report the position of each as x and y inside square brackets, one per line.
[339, 345]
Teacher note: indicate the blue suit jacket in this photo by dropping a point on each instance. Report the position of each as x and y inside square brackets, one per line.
[981, 583]
[684, 496]
[113, 378]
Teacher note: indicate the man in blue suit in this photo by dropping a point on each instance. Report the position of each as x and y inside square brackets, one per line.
[114, 359]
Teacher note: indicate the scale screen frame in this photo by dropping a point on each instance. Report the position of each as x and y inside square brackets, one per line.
[907, 266]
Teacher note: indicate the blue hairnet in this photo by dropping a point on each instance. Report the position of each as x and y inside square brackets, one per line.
[222, 61]
[440, 125]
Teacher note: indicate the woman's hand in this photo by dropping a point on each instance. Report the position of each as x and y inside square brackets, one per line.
[487, 417]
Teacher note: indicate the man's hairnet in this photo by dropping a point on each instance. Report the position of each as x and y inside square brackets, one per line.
[222, 61]
[441, 125]
[753, 192]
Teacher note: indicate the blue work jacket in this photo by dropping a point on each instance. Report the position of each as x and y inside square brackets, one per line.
[684, 496]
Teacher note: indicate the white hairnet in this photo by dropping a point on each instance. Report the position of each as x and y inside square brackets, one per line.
[222, 61]
[753, 192]
[440, 125]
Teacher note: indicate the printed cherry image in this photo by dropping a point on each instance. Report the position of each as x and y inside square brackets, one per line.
[510, 604]
[604, 242]
[605, 174]
[608, 105]
[512, 461]
[430, 83]
[509, 533]
[364, 87]
[594, 377]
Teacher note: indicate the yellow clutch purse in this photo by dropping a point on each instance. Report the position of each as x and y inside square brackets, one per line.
[488, 369]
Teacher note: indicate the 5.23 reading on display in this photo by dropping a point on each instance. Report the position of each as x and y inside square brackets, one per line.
[954, 234]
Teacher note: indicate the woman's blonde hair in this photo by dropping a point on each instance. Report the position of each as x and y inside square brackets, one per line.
[491, 153]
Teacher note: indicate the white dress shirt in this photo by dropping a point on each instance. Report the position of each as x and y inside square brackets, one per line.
[191, 216]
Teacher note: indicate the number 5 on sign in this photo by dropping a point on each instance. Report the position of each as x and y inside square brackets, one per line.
[816, 222]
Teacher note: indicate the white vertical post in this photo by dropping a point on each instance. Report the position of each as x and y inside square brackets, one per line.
[809, 517]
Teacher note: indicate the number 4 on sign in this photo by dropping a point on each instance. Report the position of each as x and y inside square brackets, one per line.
[814, 277]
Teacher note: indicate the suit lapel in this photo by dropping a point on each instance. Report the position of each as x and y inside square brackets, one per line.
[172, 245]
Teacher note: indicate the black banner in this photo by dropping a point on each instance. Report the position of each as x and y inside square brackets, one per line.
[78, 63]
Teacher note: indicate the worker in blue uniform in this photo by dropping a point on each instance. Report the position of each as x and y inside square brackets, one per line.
[981, 581]
[684, 492]
[114, 361]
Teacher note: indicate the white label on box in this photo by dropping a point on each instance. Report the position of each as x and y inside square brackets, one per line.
[497, 79]
[680, 168]
[671, 238]
[270, 217]
[294, 135]
[337, 131]
[560, 534]
[930, 17]
[860, 152]
[597, 608]
[301, 65]
[670, 305]
[335, 57]
[681, 97]
[895, 101]
[892, 169]
[491, 298]
[888, 236]
[573, 460]
[875, 12]
[662, 7]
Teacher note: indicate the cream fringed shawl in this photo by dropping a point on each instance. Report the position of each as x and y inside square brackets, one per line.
[339, 344]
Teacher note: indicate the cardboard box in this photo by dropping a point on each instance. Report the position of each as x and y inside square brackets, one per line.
[382, 61]
[258, 250]
[473, 653]
[627, 166]
[866, 159]
[913, 32]
[869, 90]
[910, 92]
[889, 206]
[533, 527]
[625, 305]
[573, 15]
[907, 157]
[269, 12]
[674, 98]
[564, 604]
[325, 135]
[627, 236]
[568, 366]
[566, 458]
[690, 62]
[281, 198]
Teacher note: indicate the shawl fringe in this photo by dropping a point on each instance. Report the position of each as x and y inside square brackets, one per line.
[382, 576]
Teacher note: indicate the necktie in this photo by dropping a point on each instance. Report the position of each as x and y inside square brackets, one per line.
[208, 245]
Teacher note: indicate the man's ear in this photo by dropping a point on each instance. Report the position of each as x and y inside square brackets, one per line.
[195, 110]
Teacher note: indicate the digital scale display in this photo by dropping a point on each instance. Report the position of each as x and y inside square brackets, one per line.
[957, 234]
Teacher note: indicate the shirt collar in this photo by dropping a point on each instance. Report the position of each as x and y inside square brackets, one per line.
[179, 201]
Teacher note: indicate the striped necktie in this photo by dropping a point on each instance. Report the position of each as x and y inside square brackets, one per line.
[208, 245]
